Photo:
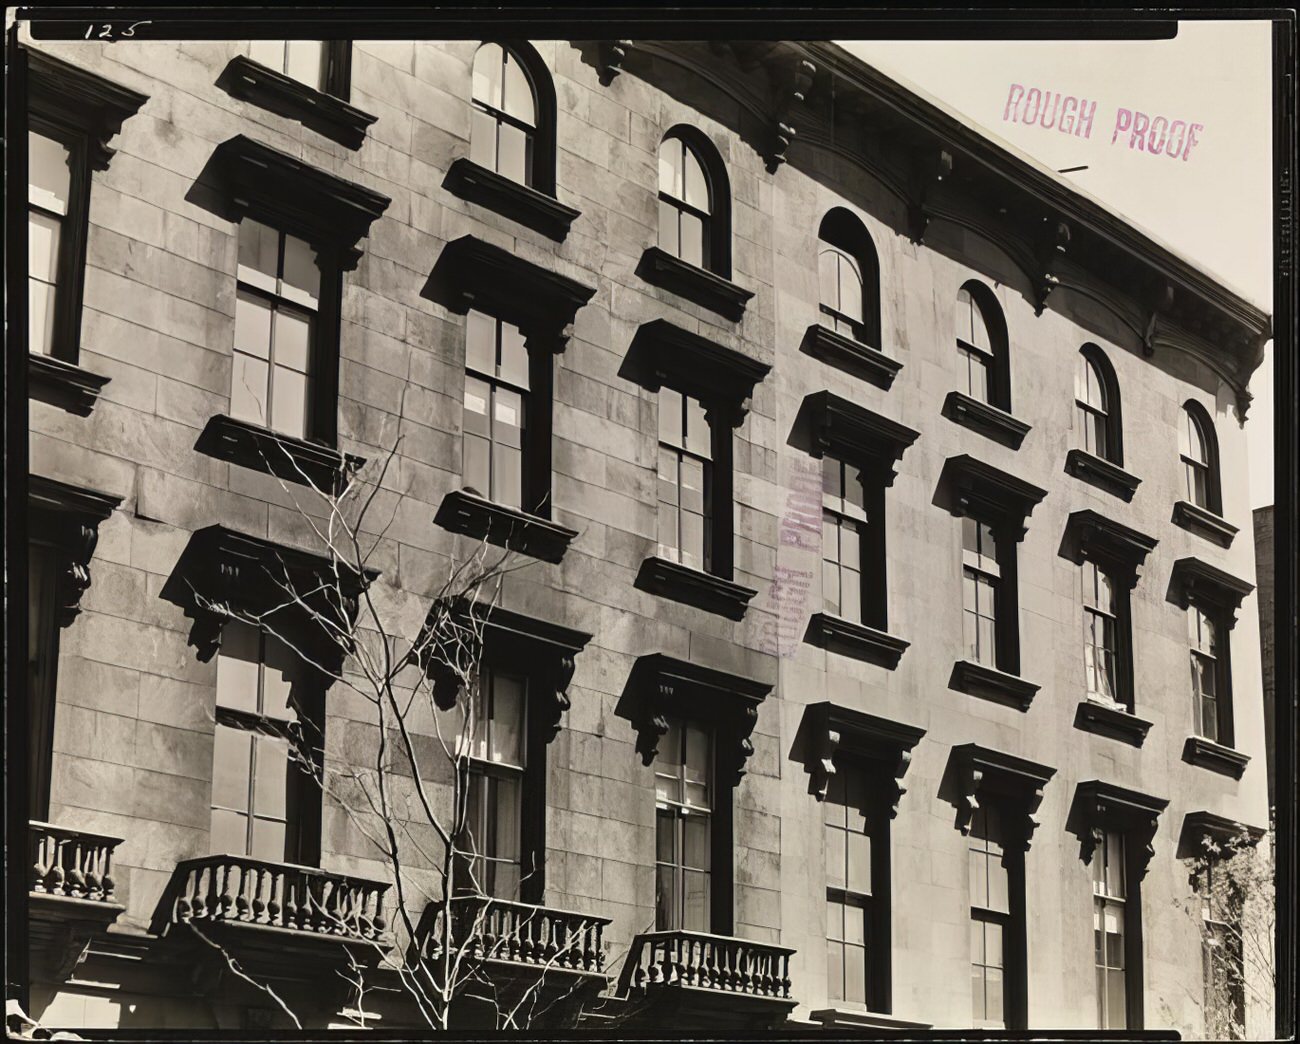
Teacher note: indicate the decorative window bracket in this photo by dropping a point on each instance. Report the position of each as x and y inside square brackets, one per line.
[472, 273]
[460, 636]
[829, 730]
[1200, 583]
[253, 82]
[1099, 807]
[1201, 830]
[1117, 548]
[983, 491]
[1110, 478]
[662, 686]
[856, 435]
[929, 167]
[612, 55]
[72, 97]
[792, 76]
[1050, 248]
[67, 518]
[1014, 783]
[223, 575]
[329, 212]
[720, 377]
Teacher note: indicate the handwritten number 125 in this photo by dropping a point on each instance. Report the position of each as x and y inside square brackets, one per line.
[106, 31]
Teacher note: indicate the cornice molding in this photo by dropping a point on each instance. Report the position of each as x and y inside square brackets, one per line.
[80, 100]
[721, 377]
[983, 772]
[855, 434]
[66, 518]
[1100, 806]
[830, 729]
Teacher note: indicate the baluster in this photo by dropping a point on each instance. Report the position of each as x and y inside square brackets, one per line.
[76, 884]
[40, 857]
[94, 881]
[289, 888]
[54, 878]
[708, 953]
[379, 921]
[785, 975]
[239, 871]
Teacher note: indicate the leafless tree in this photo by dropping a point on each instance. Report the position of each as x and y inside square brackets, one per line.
[1233, 904]
[416, 666]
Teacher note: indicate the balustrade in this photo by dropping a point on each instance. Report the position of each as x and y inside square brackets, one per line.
[711, 962]
[71, 863]
[495, 929]
[242, 890]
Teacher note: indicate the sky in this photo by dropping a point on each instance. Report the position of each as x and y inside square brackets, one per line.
[1214, 206]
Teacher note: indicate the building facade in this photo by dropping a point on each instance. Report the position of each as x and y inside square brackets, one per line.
[883, 493]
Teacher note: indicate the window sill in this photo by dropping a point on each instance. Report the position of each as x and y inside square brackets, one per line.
[988, 683]
[542, 213]
[838, 635]
[1115, 722]
[1101, 473]
[63, 384]
[989, 421]
[1214, 756]
[253, 82]
[659, 268]
[861, 1018]
[681, 583]
[274, 453]
[1204, 523]
[463, 512]
[844, 353]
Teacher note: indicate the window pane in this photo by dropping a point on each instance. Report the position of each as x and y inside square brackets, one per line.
[993, 995]
[831, 588]
[697, 755]
[979, 330]
[259, 254]
[670, 751]
[668, 528]
[229, 833]
[47, 173]
[695, 833]
[697, 187]
[855, 924]
[1115, 1000]
[979, 379]
[697, 428]
[696, 901]
[999, 899]
[252, 325]
[303, 62]
[851, 591]
[835, 857]
[850, 288]
[1115, 865]
[987, 642]
[691, 247]
[670, 167]
[670, 418]
[859, 870]
[507, 730]
[518, 92]
[301, 281]
[488, 62]
[692, 549]
[231, 753]
[665, 835]
[692, 485]
[269, 52]
[514, 356]
[282, 667]
[268, 840]
[512, 154]
[42, 246]
[293, 339]
[834, 971]
[40, 316]
[237, 667]
[483, 139]
[475, 418]
[855, 974]
[270, 776]
[828, 277]
[850, 547]
[474, 465]
[979, 880]
[668, 238]
[502, 841]
[665, 901]
[289, 408]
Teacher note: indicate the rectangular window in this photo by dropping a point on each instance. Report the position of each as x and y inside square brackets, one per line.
[849, 910]
[494, 820]
[256, 763]
[981, 580]
[49, 180]
[844, 518]
[990, 919]
[496, 409]
[307, 61]
[683, 828]
[1110, 893]
[1100, 634]
[276, 305]
[685, 480]
[1203, 637]
[1221, 954]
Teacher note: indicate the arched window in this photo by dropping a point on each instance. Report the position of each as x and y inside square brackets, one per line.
[694, 202]
[982, 346]
[512, 129]
[1096, 397]
[849, 276]
[1200, 457]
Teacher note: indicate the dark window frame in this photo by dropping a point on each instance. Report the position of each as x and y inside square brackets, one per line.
[845, 232]
[996, 357]
[532, 490]
[681, 453]
[716, 252]
[876, 903]
[680, 812]
[1112, 415]
[1225, 730]
[1196, 415]
[541, 159]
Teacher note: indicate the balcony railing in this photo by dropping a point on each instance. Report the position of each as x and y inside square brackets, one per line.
[711, 962]
[228, 889]
[495, 929]
[71, 863]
